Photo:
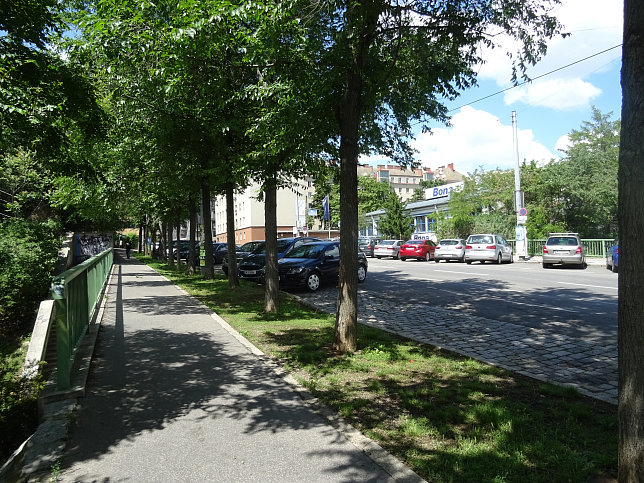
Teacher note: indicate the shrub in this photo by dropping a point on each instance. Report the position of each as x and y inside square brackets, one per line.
[28, 252]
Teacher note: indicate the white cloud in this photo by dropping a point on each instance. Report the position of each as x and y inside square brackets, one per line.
[594, 25]
[563, 143]
[477, 139]
[558, 94]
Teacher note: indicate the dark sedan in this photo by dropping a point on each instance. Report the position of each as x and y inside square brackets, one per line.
[313, 264]
[252, 267]
[241, 253]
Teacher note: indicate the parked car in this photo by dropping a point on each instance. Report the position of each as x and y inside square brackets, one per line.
[450, 249]
[563, 249]
[488, 247]
[417, 249]
[312, 264]
[241, 253]
[252, 267]
[184, 249]
[219, 252]
[366, 244]
[388, 248]
[612, 258]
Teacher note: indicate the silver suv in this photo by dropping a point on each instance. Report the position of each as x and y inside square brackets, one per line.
[564, 249]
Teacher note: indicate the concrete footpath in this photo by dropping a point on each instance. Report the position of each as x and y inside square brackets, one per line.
[175, 394]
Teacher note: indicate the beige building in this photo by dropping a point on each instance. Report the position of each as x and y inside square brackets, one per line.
[293, 205]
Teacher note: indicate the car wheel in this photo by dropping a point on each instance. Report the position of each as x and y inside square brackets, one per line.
[613, 267]
[362, 273]
[583, 266]
[469, 262]
[313, 282]
[499, 259]
[396, 256]
[511, 258]
[402, 259]
[436, 260]
[378, 258]
[547, 265]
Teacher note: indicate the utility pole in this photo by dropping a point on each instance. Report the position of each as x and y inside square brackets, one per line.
[519, 202]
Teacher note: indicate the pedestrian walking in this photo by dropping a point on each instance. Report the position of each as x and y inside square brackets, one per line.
[128, 247]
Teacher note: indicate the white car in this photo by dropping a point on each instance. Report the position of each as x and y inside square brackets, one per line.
[388, 248]
[450, 249]
[488, 248]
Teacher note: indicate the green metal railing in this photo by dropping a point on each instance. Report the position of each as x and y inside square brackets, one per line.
[76, 293]
[595, 247]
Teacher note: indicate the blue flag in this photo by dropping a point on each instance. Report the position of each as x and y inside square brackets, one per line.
[325, 207]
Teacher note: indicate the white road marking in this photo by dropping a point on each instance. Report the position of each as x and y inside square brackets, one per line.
[585, 285]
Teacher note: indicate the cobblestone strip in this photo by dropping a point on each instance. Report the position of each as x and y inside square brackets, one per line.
[537, 353]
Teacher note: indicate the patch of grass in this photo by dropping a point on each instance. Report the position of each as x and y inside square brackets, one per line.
[450, 418]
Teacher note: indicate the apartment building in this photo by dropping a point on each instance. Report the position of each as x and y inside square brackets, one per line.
[405, 181]
[293, 205]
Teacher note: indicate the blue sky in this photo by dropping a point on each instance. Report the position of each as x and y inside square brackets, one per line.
[547, 109]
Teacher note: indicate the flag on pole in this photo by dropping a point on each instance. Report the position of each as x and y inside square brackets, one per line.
[325, 207]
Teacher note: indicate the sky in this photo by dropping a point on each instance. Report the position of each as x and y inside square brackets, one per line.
[547, 109]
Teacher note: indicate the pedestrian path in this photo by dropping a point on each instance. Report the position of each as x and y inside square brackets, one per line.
[175, 394]
[537, 353]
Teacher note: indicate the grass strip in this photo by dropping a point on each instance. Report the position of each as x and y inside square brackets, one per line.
[449, 417]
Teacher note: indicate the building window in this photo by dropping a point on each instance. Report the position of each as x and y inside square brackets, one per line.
[421, 226]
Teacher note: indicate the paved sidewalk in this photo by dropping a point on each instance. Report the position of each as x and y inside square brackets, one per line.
[175, 394]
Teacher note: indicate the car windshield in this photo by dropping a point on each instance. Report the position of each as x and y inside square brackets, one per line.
[562, 240]
[260, 248]
[364, 240]
[249, 247]
[283, 244]
[386, 242]
[448, 242]
[307, 251]
[414, 242]
[480, 239]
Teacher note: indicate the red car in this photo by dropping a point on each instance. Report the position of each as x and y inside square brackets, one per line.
[418, 249]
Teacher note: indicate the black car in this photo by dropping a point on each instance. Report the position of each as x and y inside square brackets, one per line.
[219, 252]
[312, 264]
[241, 253]
[184, 249]
[252, 267]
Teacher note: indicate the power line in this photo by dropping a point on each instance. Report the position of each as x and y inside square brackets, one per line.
[538, 77]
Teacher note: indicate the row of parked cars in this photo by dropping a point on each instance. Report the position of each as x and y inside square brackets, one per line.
[559, 249]
[303, 262]
[482, 248]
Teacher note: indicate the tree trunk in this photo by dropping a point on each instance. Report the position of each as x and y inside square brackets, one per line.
[345, 337]
[209, 263]
[233, 275]
[271, 287]
[362, 19]
[193, 258]
[631, 259]
[171, 249]
[179, 261]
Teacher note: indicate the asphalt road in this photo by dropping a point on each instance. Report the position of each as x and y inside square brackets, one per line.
[569, 301]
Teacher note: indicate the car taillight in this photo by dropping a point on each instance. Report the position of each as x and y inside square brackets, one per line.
[459, 247]
[436, 247]
[468, 247]
[578, 251]
[617, 251]
[545, 249]
[491, 247]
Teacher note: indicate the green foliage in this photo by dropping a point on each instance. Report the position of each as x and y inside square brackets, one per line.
[27, 259]
[18, 398]
[578, 193]
[396, 223]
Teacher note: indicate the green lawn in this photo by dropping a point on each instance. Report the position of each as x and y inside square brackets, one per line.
[448, 417]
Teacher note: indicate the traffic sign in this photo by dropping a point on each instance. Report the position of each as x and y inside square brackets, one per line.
[523, 212]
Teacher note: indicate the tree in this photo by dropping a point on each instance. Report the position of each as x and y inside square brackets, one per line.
[631, 268]
[385, 64]
[396, 223]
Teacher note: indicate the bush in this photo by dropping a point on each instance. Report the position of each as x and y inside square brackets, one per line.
[28, 253]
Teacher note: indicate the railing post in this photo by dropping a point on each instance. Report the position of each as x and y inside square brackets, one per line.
[63, 336]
